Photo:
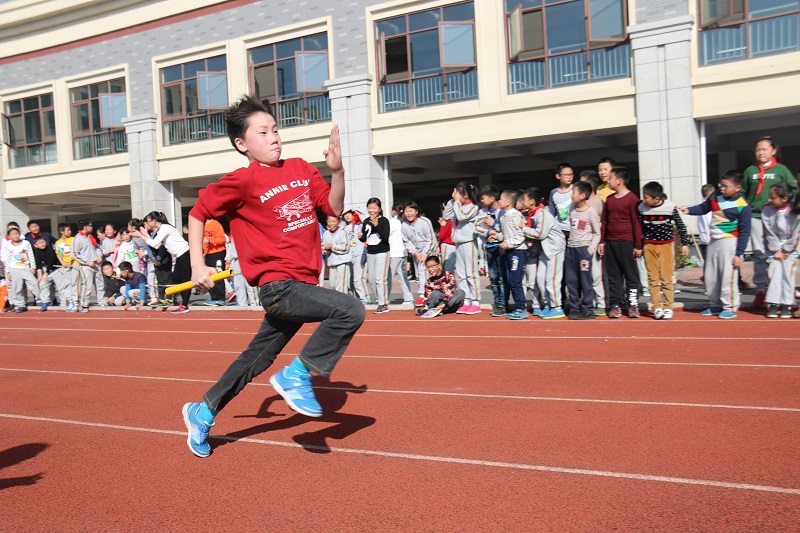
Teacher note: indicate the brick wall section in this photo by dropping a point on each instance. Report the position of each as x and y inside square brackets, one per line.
[655, 10]
[137, 50]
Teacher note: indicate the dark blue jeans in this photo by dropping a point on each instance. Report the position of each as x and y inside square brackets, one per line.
[497, 276]
[578, 273]
[290, 304]
[515, 261]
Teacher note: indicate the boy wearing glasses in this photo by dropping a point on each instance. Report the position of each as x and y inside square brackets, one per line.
[730, 232]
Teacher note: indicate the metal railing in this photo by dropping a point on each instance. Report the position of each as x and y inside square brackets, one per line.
[197, 128]
[28, 156]
[103, 143]
[431, 90]
[768, 36]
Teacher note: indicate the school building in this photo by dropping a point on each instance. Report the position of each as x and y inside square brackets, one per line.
[115, 109]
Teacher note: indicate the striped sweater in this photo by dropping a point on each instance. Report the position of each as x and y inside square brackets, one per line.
[657, 223]
[730, 218]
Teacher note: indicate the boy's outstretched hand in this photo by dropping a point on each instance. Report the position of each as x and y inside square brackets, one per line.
[333, 154]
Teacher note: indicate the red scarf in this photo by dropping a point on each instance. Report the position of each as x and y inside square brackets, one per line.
[533, 212]
[89, 236]
[761, 170]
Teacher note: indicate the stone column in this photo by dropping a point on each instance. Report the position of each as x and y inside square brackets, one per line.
[147, 193]
[366, 176]
[15, 210]
[668, 135]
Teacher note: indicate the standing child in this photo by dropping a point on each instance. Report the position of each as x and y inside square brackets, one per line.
[47, 265]
[620, 245]
[398, 255]
[245, 295]
[530, 207]
[375, 233]
[419, 240]
[353, 228]
[20, 270]
[515, 251]
[337, 248]
[447, 248]
[86, 254]
[561, 197]
[488, 219]
[780, 243]
[463, 212]
[66, 278]
[543, 227]
[756, 184]
[729, 235]
[598, 283]
[126, 251]
[604, 167]
[657, 215]
[584, 237]
[704, 226]
[279, 251]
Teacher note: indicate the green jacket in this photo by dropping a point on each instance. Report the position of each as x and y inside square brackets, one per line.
[771, 176]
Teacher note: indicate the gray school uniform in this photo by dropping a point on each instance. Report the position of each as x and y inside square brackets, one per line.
[545, 229]
[780, 235]
[419, 237]
[466, 254]
[340, 258]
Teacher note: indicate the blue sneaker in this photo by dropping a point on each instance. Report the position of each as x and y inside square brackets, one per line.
[711, 311]
[198, 431]
[518, 314]
[553, 312]
[727, 314]
[297, 392]
[536, 311]
[44, 306]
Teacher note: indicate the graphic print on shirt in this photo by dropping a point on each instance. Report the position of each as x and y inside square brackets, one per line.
[578, 224]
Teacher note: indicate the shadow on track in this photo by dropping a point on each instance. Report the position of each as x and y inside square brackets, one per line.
[16, 455]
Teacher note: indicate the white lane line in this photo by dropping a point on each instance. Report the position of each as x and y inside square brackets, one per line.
[434, 458]
[440, 336]
[422, 357]
[431, 393]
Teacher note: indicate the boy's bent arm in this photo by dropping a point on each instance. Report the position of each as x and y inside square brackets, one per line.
[201, 274]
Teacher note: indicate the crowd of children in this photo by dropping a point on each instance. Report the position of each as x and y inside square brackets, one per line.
[578, 255]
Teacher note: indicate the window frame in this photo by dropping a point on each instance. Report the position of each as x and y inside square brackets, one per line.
[112, 131]
[543, 54]
[23, 145]
[312, 104]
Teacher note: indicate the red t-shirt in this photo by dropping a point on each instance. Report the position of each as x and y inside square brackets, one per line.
[621, 219]
[272, 217]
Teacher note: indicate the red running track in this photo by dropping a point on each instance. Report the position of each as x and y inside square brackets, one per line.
[452, 424]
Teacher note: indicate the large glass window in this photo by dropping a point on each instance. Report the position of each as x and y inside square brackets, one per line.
[741, 29]
[554, 43]
[292, 75]
[194, 97]
[97, 111]
[427, 58]
[29, 131]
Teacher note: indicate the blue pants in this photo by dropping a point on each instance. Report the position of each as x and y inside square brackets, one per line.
[290, 304]
[578, 276]
[515, 261]
[497, 276]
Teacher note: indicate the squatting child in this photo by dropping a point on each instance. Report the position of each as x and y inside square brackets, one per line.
[441, 295]
[135, 288]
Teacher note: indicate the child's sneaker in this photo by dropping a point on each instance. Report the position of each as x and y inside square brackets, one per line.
[658, 314]
[381, 309]
[419, 301]
[786, 311]
[432, 313]
[463, 310]
[727, 314]
[553, 312]
[21, 309]
[496, 311]
[198, 431]
[711, 311]
[536, 311]
[44, 306]
[473, 309]
[615, 312]
[633, 311]
[668, 314]
[599, 311]
[518, 314]
[297, 392]
[180, 310]
[772, 311]
[84, 309]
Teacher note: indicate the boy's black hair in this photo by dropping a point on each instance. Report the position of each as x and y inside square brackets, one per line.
[490, 190]
[33, 222]
[608, 160]
[238, 116]
[104, 263]
[12, 228]
[39, 238]
[82, 223]
[434, 258]
[590, 177]
[653, 189]
[125, 266]
[707, 189]
[511, 194]
[62, 227]
[734, 176]
[534, 194]
[562, 166]
[12, 224]
[622, 173]
[585, 188]
[412, 204]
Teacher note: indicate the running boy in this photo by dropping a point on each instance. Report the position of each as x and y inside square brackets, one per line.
[620, 245]
[657, 215]
[271, 206]
[730, 232]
